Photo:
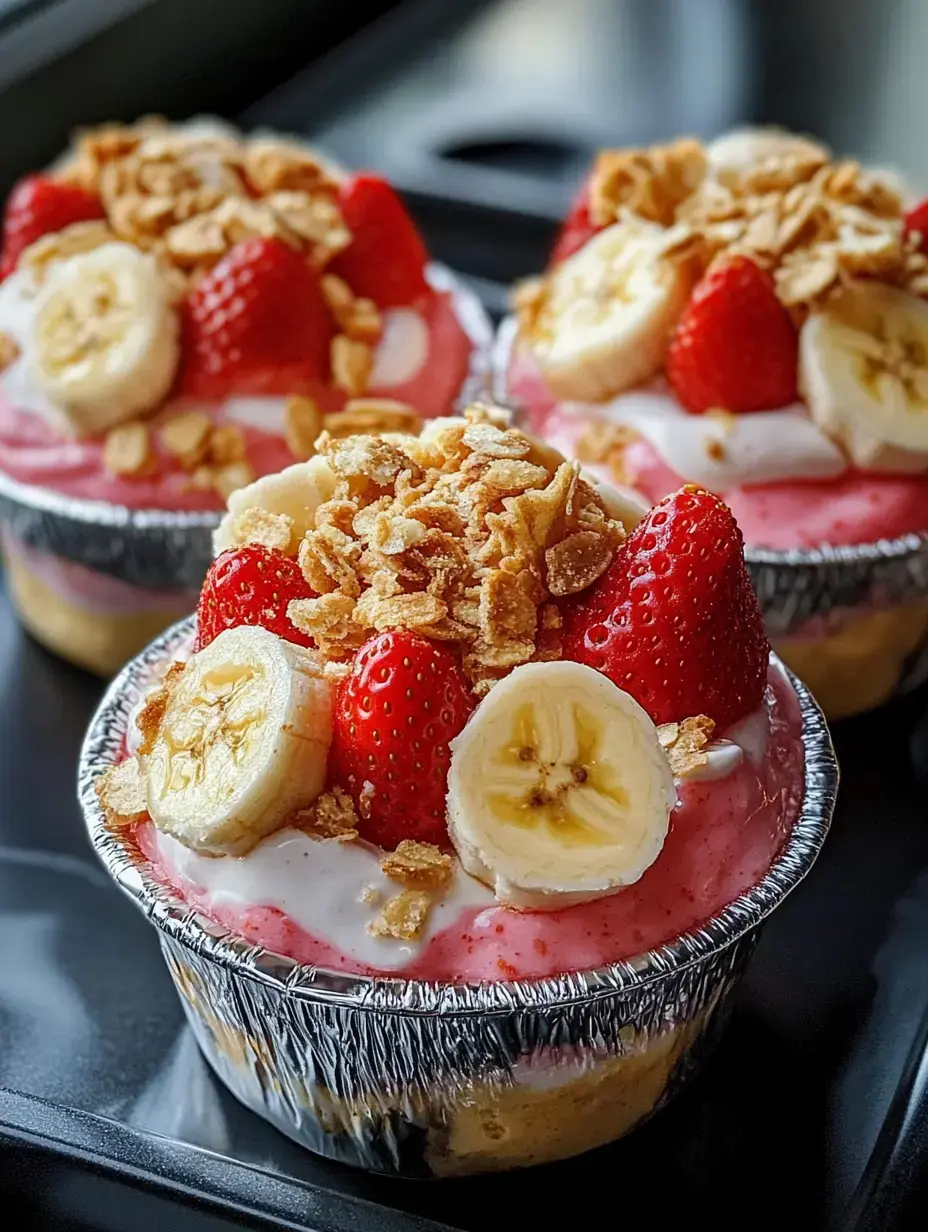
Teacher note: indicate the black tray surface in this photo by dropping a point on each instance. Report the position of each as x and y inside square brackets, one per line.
[98, 1068]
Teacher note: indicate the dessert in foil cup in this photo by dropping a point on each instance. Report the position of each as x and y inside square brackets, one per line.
[770, 343]
[459, 804]
[182, 309]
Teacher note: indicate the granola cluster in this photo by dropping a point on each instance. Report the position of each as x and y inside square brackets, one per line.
[465, 533]
[814, 222]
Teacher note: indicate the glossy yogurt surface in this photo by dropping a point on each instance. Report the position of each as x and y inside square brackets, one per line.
[310, 900]
[786, 483]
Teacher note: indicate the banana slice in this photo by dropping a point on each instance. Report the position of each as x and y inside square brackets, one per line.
[625, 505]
[297, 491]
[104, 339]
[559, 790]
[243, 742]
[744, 149]
[863, 369]
[606, 313]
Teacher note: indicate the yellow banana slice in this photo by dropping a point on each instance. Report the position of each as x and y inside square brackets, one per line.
[863, 370]
[243, 742]
[606, 313]
[104, 339]
[559, 790]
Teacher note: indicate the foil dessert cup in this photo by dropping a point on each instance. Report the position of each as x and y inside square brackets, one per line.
[94, 582]
[436, 1079]
[850, 621]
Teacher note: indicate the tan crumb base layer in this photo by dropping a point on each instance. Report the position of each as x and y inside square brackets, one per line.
[487, 1128]
[518, 1126]
[98, 642]
[860, 666]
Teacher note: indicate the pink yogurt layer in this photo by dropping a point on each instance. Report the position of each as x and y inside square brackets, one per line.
[856, 507]
[32, 451]
[724, 835]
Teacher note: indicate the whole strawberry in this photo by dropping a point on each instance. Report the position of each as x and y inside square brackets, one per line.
[257, 323]
[386, 258]
[405, 700]
[735, 347]
[251, 585]
[37, 206]
[576, 229]
[675, 622]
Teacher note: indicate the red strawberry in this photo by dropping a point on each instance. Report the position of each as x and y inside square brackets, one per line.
[251, 586]
[917, 220]
[675, 621]
[257, 323]
[735, 346]
[576, 229]
[405, 699]
[38, 205]
[386, 258]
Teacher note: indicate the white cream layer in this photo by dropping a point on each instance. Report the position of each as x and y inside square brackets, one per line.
[399, 358]
[717, 452]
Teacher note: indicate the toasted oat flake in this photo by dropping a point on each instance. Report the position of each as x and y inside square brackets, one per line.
[352, 364]
[303, 423]
[227, 444]
[331, 816]
[187, 437]
[228, 479]
[404, 917]
[418, 865]
[685, 743]
[127, 450]
[122, 793]
[577, 561]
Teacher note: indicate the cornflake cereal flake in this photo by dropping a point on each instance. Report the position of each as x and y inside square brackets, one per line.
[685, 744]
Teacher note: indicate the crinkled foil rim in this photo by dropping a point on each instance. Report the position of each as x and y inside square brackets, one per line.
[73, 519]
[881, 552]
[104, 743]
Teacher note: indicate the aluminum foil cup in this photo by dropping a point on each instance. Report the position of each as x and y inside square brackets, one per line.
[150, 550]
[424, 1079]
[852, 622]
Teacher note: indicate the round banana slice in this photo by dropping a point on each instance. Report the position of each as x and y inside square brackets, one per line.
[104, 339]
[243, 742]
[624, 504]
[559, 790]
[606, 314]
[863, 370]
[744, 149]
[296, 491]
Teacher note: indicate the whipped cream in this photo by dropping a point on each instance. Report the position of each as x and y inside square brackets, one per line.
[321, 885]
[714, 451]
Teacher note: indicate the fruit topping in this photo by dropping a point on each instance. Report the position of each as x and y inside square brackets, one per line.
[916, 220]
[675, 620]
[577, 228]
[735, 346]
[104, 338]
[241, 741]
[251, 585]
[256, 323]
[559, 789]
[386, 259]
[602, 319]
[395, 715]
[37, 206]
[863, 369]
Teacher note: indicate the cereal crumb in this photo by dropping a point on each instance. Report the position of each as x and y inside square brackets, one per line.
[122, 793]
[127, 450]
[370, 896]
[352, 364]
[403, 917]
[151, 716]
[421, 865]
[331, 816]
[9, 351]
[685, 743]
[186, 437]
[270, 530]
[303, 421]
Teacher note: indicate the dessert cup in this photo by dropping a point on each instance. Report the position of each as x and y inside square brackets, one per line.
[850, 620]
[107, 515]
[430, 1078]
[828, 484]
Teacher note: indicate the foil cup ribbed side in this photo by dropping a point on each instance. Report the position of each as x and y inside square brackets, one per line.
[159, 549]
[799, 586]
[426, 1078]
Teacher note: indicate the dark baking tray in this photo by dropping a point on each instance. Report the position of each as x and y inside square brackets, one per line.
[815, 1100]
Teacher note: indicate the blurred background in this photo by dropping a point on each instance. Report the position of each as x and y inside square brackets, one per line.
[484, 111]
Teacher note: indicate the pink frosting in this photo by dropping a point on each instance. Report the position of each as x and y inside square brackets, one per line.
[723, 837]
[32, 451]
[856, 507]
